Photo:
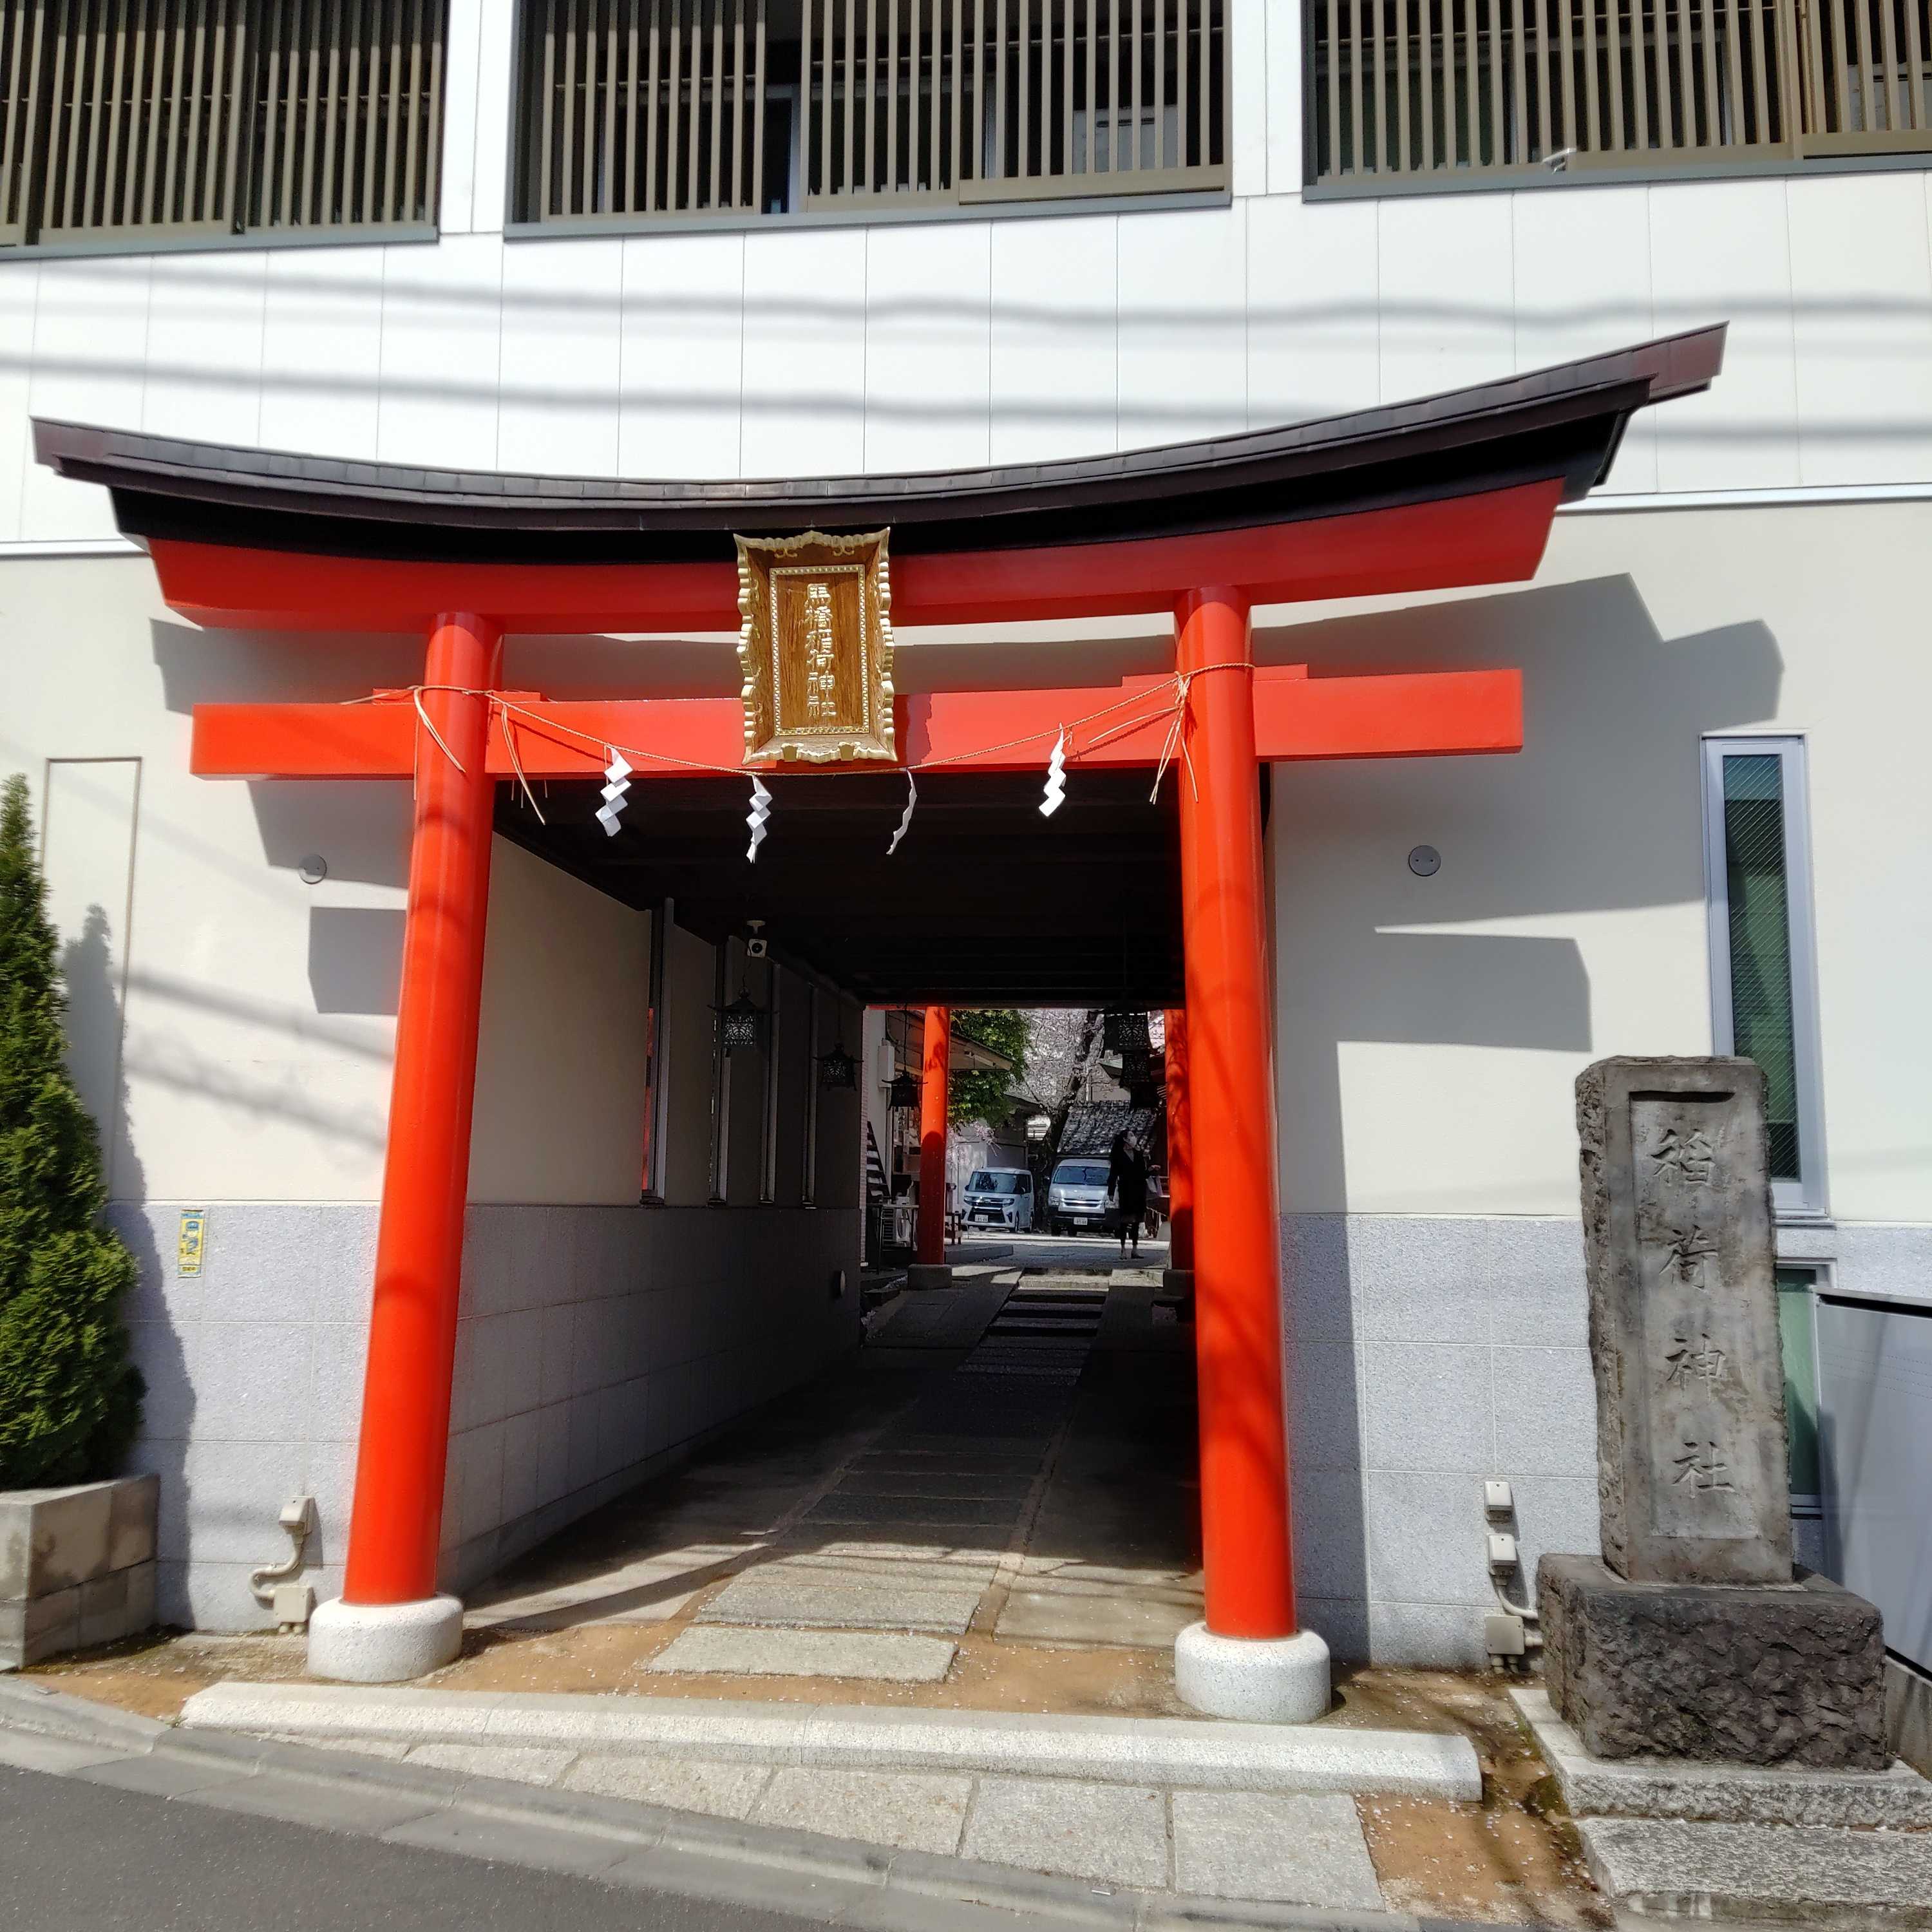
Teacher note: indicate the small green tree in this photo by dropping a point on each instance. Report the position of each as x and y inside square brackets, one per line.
[70, 1398]
[988, 1096]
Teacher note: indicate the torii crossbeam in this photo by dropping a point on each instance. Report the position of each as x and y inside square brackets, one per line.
[1455, 490]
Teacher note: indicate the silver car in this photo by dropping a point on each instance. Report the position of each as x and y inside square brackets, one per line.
[1076, 1197]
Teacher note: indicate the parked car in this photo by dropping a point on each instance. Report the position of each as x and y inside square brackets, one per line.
[1076, 1197]
[1000, 1197]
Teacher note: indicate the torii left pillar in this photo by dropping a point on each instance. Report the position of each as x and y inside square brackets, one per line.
[935, 1093]
[391, 1623]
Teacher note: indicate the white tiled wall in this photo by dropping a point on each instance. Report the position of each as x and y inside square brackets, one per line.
[593, 1341]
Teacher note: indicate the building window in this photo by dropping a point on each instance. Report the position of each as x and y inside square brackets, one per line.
[1758, 875]
[1406, 93]
[1797, 1330]
[184, 120]
[631, 110]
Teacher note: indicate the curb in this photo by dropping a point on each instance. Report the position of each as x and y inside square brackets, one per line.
[649, 1846]
[1171, 1751]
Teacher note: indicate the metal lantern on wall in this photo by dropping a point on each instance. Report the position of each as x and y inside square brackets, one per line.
[904, 1092]
[739, 1020]
[837, 1068]
[1122, 1032]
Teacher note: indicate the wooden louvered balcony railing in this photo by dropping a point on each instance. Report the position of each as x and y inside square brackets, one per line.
[1403, 93]
[647, 108]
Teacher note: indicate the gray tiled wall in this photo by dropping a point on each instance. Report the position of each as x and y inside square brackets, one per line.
[1426, 1354]
[592, 1341]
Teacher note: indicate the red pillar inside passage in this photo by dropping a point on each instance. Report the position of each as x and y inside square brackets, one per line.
[935, 1082]
[1244, 1486]
[398, 1511]
[1180, 1145]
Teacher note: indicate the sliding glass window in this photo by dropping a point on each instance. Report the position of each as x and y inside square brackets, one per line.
[1758, 878]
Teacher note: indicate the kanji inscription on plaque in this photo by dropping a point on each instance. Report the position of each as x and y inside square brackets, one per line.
[1684, 1321]
[816, 648]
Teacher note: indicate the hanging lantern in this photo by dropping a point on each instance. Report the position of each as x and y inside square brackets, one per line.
[1136, 1067]
[904, 1092]
[739, 1020]
[837, 1068]
[1144, 1099]
[1121, 1031]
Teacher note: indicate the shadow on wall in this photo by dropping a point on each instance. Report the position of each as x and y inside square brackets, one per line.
[1602, 811]
[156, 1327]
[355, 958]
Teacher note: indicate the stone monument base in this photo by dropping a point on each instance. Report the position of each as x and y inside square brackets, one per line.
[1741, 1673]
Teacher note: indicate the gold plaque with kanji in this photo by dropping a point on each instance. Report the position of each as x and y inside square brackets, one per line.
[817, 647]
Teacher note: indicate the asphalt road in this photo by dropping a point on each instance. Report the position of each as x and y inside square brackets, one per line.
[74, 1855]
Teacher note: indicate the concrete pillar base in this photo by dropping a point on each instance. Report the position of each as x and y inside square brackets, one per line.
[929, 1274]
[383, 1643]
[1282, 1680]
[1177, 1284]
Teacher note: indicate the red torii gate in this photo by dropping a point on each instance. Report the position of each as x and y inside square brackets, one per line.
[1459, 490]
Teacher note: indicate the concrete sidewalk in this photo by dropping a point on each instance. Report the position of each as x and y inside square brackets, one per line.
[454, 1804]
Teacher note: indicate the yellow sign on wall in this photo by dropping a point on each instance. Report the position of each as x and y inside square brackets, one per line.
[193, 1238]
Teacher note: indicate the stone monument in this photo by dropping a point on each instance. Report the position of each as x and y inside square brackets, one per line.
[1692, 1637]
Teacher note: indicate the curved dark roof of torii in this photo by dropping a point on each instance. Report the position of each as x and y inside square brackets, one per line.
[1562, 422]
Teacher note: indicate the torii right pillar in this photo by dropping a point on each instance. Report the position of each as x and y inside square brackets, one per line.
[1248, 1658]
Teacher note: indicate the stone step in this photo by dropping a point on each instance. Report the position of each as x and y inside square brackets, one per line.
[1898, 1799]
[1186, 1753]
[1819, 1876]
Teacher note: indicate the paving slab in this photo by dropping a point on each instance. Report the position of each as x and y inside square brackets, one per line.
[884, 1655]
[709, 1785]
[1896, 1798]
[971, 1512]
[1817, 1876]
[1110, 1831]
[779, 1602]
[1054, 1617]
[330, 1805]
[910, 1810]
[1253, 1844]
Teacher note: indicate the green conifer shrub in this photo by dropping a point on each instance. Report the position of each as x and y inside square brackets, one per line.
[70, 1398]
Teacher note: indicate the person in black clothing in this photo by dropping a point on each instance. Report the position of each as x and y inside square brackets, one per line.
[1127, 1182]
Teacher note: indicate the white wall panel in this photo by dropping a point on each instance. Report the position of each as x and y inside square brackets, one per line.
[496, 26]
[1248, 95]
[683, 356]
[322, 349]
[442, 312]
[1281, 50]
[1720, 251]
[20, 288]
[90, 366]
[928, 296]
[804, 352]
[1183, 325]
[204, 347]
[1313, 348]
[563, 329]
[462, 106]
[1861, 303]
[1582, 284]
[1054, 374]
[1447, 279]
[559, 1111]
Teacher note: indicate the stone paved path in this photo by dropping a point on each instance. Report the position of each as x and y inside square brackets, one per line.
[960, 1477]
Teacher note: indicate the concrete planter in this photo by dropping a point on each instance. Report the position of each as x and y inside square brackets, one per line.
[76, 1567]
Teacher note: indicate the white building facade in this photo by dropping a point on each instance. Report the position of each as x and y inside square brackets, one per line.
[1722, 667]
